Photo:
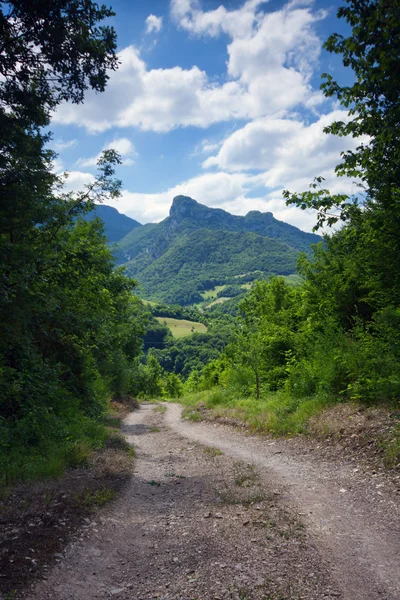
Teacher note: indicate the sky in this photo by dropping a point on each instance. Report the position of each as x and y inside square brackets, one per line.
[216, 100]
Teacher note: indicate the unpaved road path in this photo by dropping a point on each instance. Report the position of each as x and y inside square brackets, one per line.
[213, 513]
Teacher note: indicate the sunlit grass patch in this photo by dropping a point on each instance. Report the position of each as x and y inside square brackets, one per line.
[181, 327]
[276, 413]
[99, 497]
[212, 293]
[211, 451]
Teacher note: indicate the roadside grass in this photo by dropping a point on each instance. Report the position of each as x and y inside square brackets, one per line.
[372, 429]
[57, 491]
[212, 452]
[276, 413]
[52, 458]
[391, 449]
[181, 328]
[160, 409]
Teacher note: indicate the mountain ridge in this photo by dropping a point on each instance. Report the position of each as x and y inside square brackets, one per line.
[116, 224]
[188, 214]
[197, 247]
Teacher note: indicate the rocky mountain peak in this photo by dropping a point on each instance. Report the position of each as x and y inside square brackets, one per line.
[182, 206]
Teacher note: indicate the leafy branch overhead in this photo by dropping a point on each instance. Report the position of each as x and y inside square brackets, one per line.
[372, 52]
[52, 52]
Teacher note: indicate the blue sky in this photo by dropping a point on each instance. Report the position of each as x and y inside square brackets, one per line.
[216, 100]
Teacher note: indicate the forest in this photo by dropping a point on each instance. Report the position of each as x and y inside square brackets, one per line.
[72, 330]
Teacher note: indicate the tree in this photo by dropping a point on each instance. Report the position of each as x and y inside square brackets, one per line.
[69, 326]
[51, 51]
[352, 289]
[372, 51]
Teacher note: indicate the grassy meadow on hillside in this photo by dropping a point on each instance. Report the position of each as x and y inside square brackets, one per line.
[181, 328]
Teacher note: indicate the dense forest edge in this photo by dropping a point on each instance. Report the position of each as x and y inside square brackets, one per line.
[73, 333]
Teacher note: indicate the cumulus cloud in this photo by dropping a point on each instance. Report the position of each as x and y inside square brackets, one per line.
[76, 181]
[270, 60]
[255, 164]
[236, 23]
[271, 56]
[123, 146]
[154, 24]
[284, 150]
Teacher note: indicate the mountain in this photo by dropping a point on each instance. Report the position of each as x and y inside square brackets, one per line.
[116, 225]
[197, 247]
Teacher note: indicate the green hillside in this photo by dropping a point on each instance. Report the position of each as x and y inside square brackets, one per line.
[197, 258]
[197, 248]
[116, 225]
[187, 215]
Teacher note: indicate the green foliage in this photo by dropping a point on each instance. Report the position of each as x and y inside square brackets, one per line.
[290, 351]
[157, 335]
[178, 274]
[175, 311]
[173, 386]
[70, 327]
[230, 291]
[147, 379]
[193, 352]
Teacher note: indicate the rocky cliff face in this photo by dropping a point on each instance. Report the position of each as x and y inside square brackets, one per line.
[189, 214]
[185, 209]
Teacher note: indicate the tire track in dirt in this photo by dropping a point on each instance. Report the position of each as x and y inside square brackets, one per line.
[359, 536]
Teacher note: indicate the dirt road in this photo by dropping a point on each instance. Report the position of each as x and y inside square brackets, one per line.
[213, 513]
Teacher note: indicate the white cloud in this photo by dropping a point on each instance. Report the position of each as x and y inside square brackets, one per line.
[256, 163]
[76, 180]
[123, 146]
[236, 23]
[214, 189]
[60, 145]
[154, 23]
[283, 150]
[271, 57]
[270, 61]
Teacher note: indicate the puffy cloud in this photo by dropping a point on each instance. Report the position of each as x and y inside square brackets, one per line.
[76, 181]
[123, 146]
[256, 163]
[236, 23]
[284, 150]
[214, 189]
[270, 60]
[100, 113]
[154, 23]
